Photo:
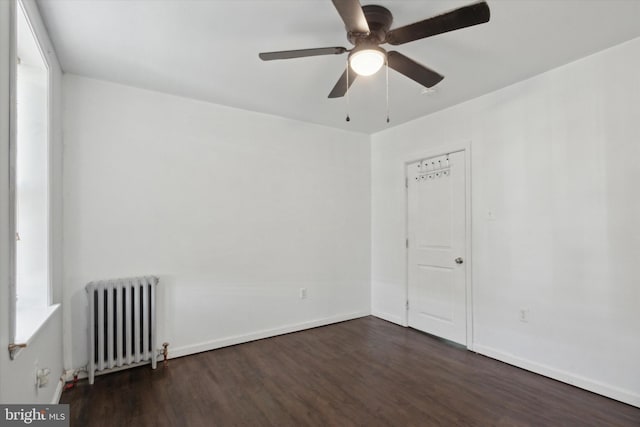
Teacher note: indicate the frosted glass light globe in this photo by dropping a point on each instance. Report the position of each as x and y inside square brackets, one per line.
[366, 62]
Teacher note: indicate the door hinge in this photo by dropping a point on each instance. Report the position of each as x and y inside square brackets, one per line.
[406, 182]
[406, 243]
[407, 304]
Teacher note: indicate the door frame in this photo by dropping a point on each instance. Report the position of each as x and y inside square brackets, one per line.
[434, 152]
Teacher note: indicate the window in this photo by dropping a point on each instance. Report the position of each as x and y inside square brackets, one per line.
[30, 181]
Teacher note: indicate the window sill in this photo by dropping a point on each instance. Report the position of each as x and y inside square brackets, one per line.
[26, 332]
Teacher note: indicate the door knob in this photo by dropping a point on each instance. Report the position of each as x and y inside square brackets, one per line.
[459, 260]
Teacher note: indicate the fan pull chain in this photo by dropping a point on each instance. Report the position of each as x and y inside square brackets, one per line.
[386, 60]
[348, 118]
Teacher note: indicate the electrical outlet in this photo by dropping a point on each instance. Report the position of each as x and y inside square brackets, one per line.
[303, 293]
[524, 315]
[42, 377]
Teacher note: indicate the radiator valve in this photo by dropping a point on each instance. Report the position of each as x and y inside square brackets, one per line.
[165, 353]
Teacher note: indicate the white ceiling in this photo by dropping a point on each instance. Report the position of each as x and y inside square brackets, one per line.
[208, 50]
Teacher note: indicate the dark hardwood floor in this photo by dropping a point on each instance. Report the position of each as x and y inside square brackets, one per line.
[365, 372]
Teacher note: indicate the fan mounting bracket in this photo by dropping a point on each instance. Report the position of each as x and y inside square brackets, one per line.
[379, 20]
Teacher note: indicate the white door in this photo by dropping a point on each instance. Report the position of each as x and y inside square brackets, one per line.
[436, 246]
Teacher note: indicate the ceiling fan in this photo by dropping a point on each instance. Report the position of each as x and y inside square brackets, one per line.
[369, 26]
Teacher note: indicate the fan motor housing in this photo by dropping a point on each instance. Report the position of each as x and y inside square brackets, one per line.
[379, 19]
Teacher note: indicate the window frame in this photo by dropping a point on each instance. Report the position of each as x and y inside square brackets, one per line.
[16, 7]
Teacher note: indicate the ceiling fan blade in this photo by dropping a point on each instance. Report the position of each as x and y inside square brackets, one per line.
[466, 16]
[340, 89]
[413, 70]
[287, 54]
[351, 13]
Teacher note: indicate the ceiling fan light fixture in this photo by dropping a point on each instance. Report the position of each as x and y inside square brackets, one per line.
[369, 26]
[367, 61]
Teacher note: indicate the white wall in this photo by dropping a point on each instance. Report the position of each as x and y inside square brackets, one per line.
[556, 159]
[17, 377]
[233, 210]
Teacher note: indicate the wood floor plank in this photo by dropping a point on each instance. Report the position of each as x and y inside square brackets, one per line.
[365, 372]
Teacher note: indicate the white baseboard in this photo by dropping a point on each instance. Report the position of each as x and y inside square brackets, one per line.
[625, 396]
[388, 317]
[58, 393]
[267, 333]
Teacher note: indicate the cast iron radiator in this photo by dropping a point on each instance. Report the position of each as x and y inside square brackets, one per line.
[122, 324]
